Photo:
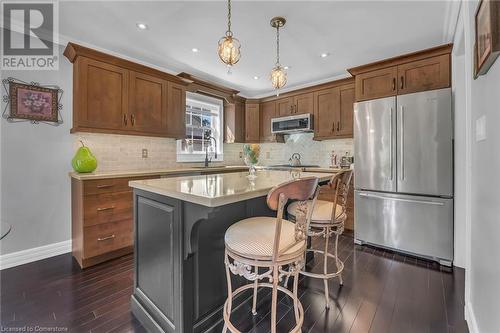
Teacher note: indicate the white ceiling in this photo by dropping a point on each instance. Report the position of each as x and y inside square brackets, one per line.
[353, 32]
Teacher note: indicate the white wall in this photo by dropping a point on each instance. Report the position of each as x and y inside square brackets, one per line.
[483, 269]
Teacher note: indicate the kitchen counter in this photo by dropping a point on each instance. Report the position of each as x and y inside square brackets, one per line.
[179, 227]
[153, 172]
[221, 189]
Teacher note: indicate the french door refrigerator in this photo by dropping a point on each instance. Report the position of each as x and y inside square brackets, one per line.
[403, 175]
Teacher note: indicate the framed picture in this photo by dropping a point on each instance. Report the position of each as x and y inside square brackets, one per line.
[32, 102]
[487, 47]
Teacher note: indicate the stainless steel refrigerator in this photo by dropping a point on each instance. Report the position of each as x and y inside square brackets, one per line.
[403, 175]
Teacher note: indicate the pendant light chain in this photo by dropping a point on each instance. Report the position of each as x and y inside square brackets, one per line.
[229, 32]
[278, 44]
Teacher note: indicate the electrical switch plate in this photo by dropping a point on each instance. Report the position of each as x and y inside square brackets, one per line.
[144, 153]
[481, 128]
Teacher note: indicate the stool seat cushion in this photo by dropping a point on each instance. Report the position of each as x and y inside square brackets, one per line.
[322, 211]
[254, 238]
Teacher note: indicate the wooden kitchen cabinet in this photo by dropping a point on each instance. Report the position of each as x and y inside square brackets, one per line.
[303, 103]
[376, 84]
[234, 122]
[114, 95]
[334, 112]
[147, 103]
[427, 74]
[418, 71]
[267, 112]
[284, 106]
[325, 104]
[100, 95]
[252, 116]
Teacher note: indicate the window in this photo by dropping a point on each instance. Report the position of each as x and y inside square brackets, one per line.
[203, 122]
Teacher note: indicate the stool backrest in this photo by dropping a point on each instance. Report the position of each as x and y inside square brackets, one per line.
[302, 190]
[340, 182]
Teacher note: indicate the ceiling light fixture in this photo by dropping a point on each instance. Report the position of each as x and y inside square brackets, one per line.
[255, 77]
[141, 26]
[278, 73]
[229, 47]
[287, 67]
[324, 55]
[195, 50]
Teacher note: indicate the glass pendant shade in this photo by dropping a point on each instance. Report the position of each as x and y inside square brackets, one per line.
[229, 50]
[278, 77]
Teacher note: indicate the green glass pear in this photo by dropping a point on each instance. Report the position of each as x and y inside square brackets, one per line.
[84, 161]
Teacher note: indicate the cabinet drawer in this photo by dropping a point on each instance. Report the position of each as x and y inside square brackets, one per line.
[99, 186]
[103, 238]
[107, 207]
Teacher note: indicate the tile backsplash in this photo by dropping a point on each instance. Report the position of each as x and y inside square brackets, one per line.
[124, 152]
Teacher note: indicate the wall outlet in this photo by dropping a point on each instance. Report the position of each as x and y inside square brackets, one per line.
[268, 154]
[241, 154]
[144, 153]
[481, 128]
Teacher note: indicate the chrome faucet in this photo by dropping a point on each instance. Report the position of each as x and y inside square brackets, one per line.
[207, 160]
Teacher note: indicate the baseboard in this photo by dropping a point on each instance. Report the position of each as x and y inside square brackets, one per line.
[38, 253]
[471, 318]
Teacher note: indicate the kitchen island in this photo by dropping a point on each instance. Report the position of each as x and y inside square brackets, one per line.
[179, 224]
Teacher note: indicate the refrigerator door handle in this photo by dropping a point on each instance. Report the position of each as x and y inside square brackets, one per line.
[391, 146]
[424, 202]
[402, 149]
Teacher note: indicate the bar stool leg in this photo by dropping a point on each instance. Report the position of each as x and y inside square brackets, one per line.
[255, 283]
[325, 267]
[337, 257]
[296, 298]
[230, 294]
[274, 302]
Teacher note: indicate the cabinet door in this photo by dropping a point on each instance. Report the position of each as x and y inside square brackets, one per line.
[376, 84]
[284, 107]
[345, 112]
[251, 122]
[267, 112]
[325, 105]
[303, 103]
[239, 114]
[176, 111]
[427, 74]
[147, 103]
[101, 93]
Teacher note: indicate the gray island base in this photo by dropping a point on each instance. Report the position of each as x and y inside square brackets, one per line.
[180, 282]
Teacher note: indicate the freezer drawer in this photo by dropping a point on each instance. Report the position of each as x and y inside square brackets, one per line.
[419, 225]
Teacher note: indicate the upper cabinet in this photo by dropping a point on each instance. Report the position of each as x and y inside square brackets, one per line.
[234, 122]
[303, 103]
[333, 111]
[425, 70]
[113, 95]
[252, 134]
[267, 112]
[284, 106]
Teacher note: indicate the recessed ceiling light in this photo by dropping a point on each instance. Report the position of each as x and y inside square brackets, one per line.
[324, 55]
[195, 50]
[142, 26]
[287, 67]
[255, 77]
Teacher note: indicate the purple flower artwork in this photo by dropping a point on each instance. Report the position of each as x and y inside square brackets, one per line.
[33, 102]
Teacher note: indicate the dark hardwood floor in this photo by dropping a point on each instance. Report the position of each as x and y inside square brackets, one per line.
[383, 292]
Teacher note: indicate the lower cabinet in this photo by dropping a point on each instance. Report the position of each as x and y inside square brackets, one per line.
[102, 226]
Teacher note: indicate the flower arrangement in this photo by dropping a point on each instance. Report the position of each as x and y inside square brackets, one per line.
[251, 153]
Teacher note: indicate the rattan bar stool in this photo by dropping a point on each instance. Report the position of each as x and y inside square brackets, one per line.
[328, 219]
[268, 244]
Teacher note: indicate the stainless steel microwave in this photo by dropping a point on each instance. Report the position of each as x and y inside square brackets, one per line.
[292, 124]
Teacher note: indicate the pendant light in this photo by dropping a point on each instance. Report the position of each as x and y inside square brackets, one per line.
[278, 73]
[229, 47]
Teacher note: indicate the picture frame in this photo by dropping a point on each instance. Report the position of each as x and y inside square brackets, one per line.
[32, 102]
[487, 33]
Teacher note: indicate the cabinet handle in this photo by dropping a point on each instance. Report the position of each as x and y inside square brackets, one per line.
[402, 82]
[132, 119]
[338, 126]
[105, 238]
[393, 83]
[105, 186]
[100, 209]
[333, 127]
[125, 119]
[296, 109]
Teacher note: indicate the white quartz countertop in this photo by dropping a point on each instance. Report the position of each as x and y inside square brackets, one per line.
[224, 188]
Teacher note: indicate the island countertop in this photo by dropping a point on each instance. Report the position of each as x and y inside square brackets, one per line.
[220, 189]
